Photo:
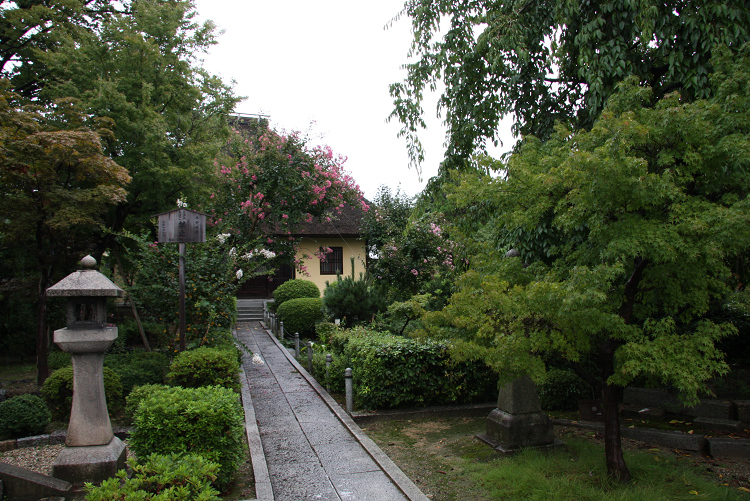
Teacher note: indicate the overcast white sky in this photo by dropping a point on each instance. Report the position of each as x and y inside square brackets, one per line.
[324, 67]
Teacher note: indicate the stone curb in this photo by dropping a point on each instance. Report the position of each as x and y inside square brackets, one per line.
[720, 447]
[262, 478]
[399, 478]
[55, 438]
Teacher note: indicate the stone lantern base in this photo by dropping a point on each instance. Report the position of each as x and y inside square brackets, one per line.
[92, 463]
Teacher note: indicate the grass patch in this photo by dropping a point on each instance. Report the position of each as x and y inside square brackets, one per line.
[445, 460]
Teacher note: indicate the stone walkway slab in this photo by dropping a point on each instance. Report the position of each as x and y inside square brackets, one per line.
[306, 447]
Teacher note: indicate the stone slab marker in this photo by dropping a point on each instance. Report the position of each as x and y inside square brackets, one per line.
[518, 421]
[92, 453]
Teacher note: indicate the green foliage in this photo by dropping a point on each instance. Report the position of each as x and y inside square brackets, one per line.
[401, 315]
[58, 392]
[496, 59]
[210, 284]
[301, 315]
[651, 211]
[353, 301]
[207, 421]
[172, 477]
[205, 366]
[23, 416]
[137, 368]
[391, 371]
[138, 394]
[387, 218]
[560, 390]
[294, 289]
[58, 359]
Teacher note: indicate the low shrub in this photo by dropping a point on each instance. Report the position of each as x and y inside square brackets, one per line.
[133, 400]
[223, 339]
[58, 392]
[561, 389]
[352, 300]
[392, 371]
[205, 366]
[294, 289]
[206, 421]
[23, 416]
[172, 477]
[301, 315]
[138, 367]
[57, 360]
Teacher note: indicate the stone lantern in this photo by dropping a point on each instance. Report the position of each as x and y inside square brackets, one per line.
[92, 452]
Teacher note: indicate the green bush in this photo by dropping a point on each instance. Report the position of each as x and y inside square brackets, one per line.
[138, 367]
[58, 392]
[301, 315]
[171, 477]
[294, 289]
[136, 396]
[392, 371]
[23, 416]
[206, 421]
[561, 390]
[57, 360]
[205, 366]
[355, 301]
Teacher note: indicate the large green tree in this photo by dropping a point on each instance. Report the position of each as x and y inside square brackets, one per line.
[647, 214]
[56, 184]
[140, 69]
[548, 61]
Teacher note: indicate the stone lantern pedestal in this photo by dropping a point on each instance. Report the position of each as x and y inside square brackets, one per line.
[92, 453]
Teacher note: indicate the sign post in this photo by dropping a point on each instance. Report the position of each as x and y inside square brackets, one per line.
[182, 226]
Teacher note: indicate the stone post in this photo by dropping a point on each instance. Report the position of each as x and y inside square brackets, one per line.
[309, 357]
[92, 452]
[296, 345]
[329, 359]
[518, 421]
[349, 390]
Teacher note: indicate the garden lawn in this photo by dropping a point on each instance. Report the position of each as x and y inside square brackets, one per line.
[445, 460]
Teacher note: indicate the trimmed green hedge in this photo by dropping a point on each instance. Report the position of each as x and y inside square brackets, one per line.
[294, 289]
[58, 392]
[207, 421]
[23, 416]
[301, 315]
[391, 371]
[561, 389]
[137, 368]
[205, 366]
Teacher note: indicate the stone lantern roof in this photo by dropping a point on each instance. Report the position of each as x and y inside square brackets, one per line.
[85, 283]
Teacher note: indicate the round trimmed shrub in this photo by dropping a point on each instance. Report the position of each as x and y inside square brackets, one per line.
[205, 366]
[140, 393]
[23, 416]
[561, 390]
[138, 368]
[301, 315]
[294, 289]
[58, 391]
[208, 421]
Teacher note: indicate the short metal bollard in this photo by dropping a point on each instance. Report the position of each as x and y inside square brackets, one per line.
[281, 331]
[309, 357]
[296, 345]
[349, 390]
[329, 359]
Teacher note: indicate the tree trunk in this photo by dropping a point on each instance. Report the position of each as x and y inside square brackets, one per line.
[42, 340]
[616, 467]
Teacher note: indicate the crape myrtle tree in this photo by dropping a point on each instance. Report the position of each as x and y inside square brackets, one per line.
[547, 61]
[270, 184]
[647, 214]
[56, 184]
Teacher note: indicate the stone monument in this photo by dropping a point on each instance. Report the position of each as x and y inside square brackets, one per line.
[518, 421]
[92, 453]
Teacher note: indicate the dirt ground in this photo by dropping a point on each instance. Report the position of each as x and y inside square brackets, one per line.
[430, 451]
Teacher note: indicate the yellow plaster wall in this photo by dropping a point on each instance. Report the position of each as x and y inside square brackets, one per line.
[352, 247]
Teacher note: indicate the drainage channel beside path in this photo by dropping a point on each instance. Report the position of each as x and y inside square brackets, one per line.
[303, 445]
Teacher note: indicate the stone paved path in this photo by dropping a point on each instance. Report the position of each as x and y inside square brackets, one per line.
[311, 447]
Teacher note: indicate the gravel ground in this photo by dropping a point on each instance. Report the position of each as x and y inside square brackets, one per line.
[38, 459]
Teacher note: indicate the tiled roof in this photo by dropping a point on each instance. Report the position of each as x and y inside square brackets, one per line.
[346, 224]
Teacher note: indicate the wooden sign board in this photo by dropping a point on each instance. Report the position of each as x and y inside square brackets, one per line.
[182, 226]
